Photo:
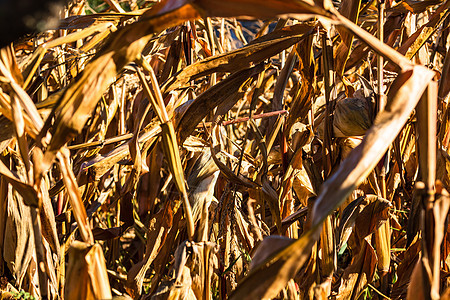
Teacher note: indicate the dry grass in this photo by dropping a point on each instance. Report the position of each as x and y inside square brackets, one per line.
[237, 149]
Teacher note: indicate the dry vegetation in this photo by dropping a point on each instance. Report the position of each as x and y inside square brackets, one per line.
[228, 149]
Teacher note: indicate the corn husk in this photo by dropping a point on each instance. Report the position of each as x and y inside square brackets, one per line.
[352, 117]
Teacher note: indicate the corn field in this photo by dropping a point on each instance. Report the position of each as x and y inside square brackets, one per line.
[232, 149]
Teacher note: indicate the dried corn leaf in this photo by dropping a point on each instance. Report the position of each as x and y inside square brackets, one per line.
[86, 273]
[75, 197]
[359, 273]
[27, 191]
[272, 274]
[402, 98]
[229, 91]
[245, 57]
[80, 98]
[19, 249]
